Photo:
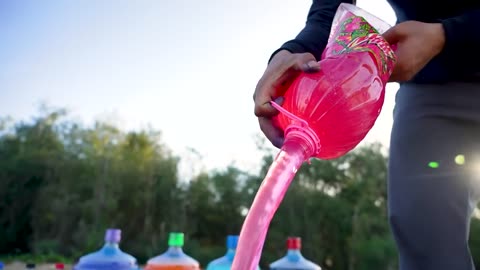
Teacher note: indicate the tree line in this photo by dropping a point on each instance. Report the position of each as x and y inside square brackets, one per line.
[63, 183]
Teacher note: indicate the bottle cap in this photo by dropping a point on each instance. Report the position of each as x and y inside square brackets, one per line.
[113, 235]
[175, 239]
[59, 266]
[232, 241]
[294, 243]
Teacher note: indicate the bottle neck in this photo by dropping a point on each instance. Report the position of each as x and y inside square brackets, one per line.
[294, 255]
[175, 250]
[301, 140]
[230, 254]
[111, 245]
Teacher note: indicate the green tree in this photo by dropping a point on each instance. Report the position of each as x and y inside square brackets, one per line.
[63, 183]
[27, 156]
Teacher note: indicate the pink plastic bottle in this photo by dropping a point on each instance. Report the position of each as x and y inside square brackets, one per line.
[324, 115]
[337, 106]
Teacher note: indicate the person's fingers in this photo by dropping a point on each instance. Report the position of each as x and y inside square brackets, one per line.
[278, 79]
[402, 70]
[306, 62]
[273, 133]
[270, 86]
[264, 93]
[394, 77]
[393, 35]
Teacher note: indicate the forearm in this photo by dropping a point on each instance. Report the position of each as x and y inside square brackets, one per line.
[314, 36]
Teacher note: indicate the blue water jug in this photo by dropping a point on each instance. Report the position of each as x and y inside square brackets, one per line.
[225, 262]
[109, 257]
[294, 259]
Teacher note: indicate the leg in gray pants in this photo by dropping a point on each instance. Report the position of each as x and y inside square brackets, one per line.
[431, 191]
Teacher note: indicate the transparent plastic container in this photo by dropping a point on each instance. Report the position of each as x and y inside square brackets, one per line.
[109, 257]
[333, 109]
[294, 259]
[174, 258]
[225, 262]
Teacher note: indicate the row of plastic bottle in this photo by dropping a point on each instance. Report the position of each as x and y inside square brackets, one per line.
[111, 257]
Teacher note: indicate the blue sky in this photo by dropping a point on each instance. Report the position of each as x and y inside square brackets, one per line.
[185, 67]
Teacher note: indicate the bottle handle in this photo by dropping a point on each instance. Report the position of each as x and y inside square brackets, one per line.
[288, 114]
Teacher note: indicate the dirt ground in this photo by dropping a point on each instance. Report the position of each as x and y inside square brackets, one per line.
[22, 266]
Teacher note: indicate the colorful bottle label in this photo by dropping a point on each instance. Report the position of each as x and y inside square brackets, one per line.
[353, 33]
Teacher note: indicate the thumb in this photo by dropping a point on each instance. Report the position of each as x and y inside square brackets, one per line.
[306, 62]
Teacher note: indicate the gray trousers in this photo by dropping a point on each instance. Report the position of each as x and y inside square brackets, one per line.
[434, 174]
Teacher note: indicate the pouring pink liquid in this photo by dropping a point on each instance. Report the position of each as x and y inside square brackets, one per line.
[324, 115]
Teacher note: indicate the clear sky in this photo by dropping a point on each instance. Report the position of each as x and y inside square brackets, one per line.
[185, 67]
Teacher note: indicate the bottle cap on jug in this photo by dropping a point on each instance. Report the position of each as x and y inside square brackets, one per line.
[232, 241]
[294, 243]
[175, 239]
[113, 235]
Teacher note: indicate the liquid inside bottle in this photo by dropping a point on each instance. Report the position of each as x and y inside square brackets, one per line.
[174, 258]
[109, 257]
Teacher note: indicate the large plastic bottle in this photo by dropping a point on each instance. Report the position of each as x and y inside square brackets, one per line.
[225, 262]
[174, 258]
[109, 257]
[324, 115]
[335, 108]
[294, 259]
[1, 265]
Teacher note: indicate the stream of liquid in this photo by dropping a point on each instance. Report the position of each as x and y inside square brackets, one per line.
[266, 202]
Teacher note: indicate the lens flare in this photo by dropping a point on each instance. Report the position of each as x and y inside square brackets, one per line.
[460, 159]
[433, 164]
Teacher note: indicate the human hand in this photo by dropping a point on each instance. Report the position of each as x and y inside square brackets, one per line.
[280, 73]
[417, 43]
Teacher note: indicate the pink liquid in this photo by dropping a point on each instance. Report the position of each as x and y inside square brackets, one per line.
[340, 103]
[268, 198]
